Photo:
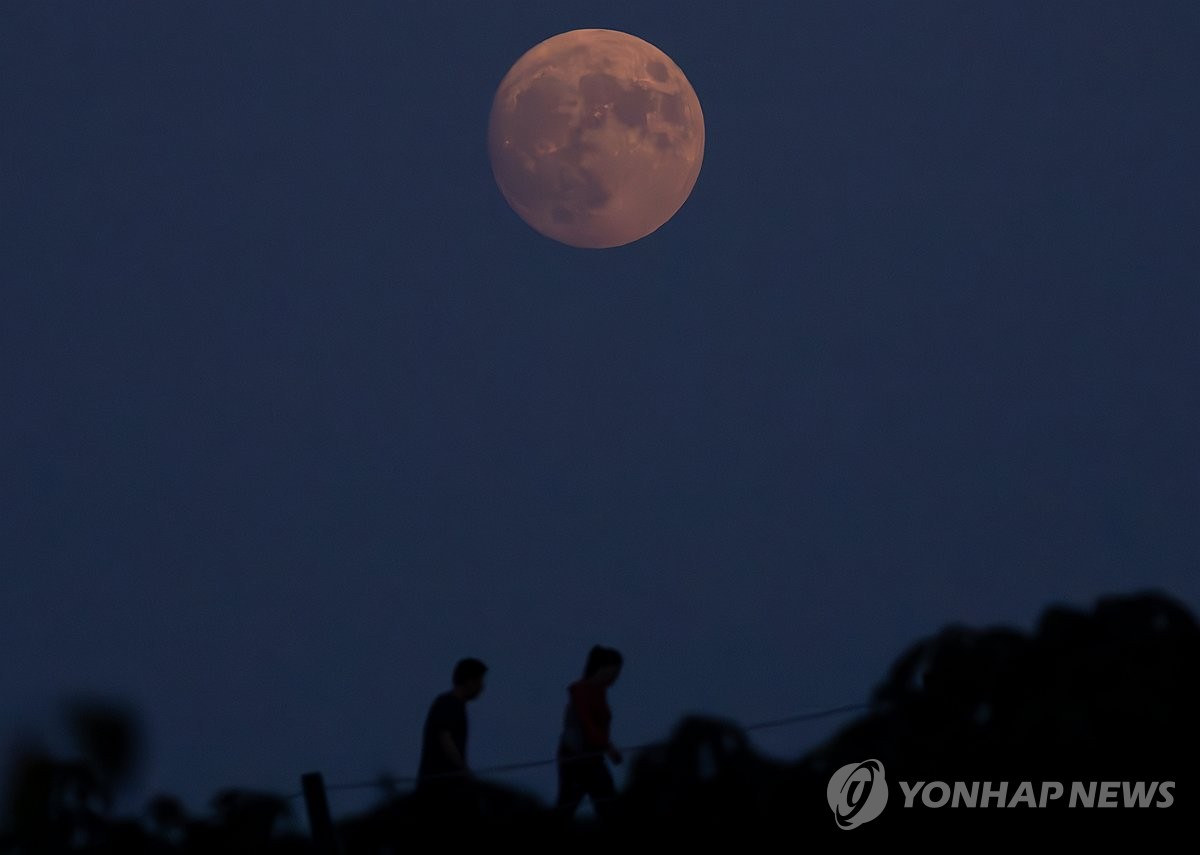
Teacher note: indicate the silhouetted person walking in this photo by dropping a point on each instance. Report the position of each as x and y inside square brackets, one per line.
[444, 768]
[585, 738]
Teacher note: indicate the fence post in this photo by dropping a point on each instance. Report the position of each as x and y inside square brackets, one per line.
[320, 824]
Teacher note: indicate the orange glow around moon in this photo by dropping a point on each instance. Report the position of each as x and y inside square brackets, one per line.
[596, 138]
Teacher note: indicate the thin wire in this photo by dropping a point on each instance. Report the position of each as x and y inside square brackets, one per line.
[796, 719]
[389, 781]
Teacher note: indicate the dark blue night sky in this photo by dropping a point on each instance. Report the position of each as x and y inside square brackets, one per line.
[294, 410]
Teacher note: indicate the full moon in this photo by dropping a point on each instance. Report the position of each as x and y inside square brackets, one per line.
[595, 138]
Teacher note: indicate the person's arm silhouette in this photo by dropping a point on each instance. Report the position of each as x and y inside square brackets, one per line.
[451, 750]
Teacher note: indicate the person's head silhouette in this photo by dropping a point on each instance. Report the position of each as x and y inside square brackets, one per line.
[603, 665]
[468, 678]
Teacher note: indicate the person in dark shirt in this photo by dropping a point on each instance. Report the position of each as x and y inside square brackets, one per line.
[444, 741]
[585, 740]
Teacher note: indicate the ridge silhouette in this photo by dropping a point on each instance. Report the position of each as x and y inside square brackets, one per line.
[1108, 694]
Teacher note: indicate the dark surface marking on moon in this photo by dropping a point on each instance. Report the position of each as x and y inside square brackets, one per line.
[578, 189]
[603, 92]
[672, 109]
[657, 70]
[537, 120]
[633, 105]
[594, 194]
[578, 186]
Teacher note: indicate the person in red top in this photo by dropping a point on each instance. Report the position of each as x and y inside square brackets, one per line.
[585, 740]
